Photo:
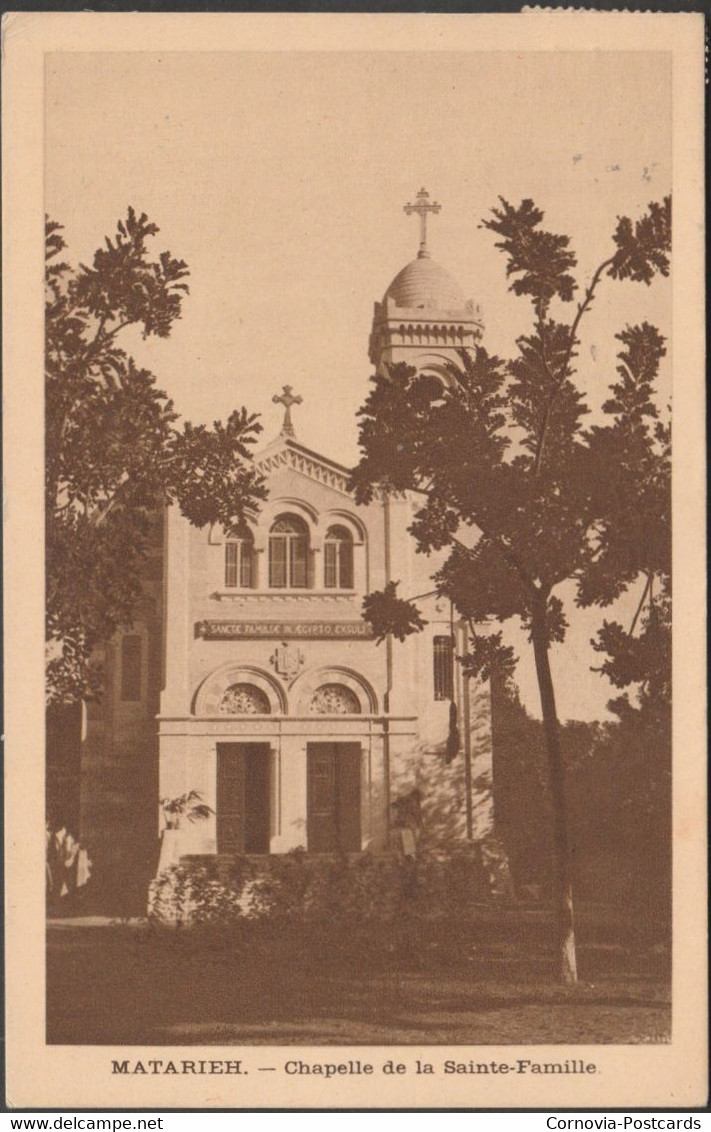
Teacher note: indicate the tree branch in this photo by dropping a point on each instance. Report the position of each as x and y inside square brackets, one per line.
[97, 518]
[647, 589]
[507, 554]
[572, 339]
[504, 550]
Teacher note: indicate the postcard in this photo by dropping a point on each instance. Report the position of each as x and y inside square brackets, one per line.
[355, 756]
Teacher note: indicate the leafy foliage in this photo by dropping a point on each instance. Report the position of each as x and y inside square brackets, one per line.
[520, 494]
[189, 805]
[115, 452]
[341, 892]
[541, 260]
[488, 656]
[388, 613]
[630, 461]
[618, 786]
[643, 247]
[642, 659]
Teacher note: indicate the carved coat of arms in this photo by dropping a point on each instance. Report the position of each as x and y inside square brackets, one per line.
[287, 660]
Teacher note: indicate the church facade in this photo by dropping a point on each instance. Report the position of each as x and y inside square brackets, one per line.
[251, 678]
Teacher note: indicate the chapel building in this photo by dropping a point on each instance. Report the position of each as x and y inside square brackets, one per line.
[250, 676]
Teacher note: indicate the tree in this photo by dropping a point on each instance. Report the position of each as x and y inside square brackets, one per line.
[618, 794]
[115, 453]
[519, 493]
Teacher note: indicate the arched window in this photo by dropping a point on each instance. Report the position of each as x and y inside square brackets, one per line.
[239, 558]
[338, 559]
[334, 699]
[288, 553]
[244, 699]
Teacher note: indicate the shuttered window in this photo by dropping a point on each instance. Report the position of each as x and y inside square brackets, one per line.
[296, 552]
[338, 559]
[131, 666]
[238, 564]
[288, 553]
[443, 667]
[277, 561]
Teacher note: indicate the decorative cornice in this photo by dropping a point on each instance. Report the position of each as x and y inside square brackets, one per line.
[307, 463]
[246, 597]
[287, 453]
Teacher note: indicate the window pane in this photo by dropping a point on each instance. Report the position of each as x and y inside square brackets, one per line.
[131, 668]
[338, 560]
[346, 571]
[287, 524]
[245, 566]
[298, 561]
[231, 563]
[443, 664]
[277, 561]
[329, 566]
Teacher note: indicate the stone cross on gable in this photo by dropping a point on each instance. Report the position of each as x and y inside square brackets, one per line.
[422, 207]
[287, 399]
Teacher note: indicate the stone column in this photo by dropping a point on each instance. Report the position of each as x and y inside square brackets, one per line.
[175, 699]
[374, 796]
[291, 795]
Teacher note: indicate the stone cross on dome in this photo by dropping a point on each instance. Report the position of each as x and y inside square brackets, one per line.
[287, 399]
[422, 207]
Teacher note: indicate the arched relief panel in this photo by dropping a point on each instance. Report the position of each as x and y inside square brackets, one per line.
[334, 699]
[244, 698]
[210, 698]
[305, 687]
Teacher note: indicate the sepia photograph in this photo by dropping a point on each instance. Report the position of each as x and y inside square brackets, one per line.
[359, 396]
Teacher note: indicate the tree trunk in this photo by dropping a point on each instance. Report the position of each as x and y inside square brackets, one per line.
[563, 887]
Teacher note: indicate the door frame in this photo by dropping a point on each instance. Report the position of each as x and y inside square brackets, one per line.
[347, 795]
[239, 750]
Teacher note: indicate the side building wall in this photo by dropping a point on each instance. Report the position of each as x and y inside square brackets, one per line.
[118, 821]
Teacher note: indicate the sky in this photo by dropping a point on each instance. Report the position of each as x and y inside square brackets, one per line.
[280, 177]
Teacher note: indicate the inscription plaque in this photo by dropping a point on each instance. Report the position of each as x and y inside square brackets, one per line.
[295, 630]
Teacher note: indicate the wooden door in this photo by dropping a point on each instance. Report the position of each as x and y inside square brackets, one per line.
[257, 784]
[333, 797]
[243, 790]
[322, 829]
[230, 798]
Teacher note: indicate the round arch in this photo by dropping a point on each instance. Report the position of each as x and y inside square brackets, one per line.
[305, 687]
[209, 695]
[333, 516]
[435, 365]
[284, 504]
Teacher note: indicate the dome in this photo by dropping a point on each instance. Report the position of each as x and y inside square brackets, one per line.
[424, 284]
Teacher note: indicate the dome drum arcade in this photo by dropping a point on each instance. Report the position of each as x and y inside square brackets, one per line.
[424, 316]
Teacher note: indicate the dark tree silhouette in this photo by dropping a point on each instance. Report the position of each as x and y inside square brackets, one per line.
[115, 453]
[520, 493]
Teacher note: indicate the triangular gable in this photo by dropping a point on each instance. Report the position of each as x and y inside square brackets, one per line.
[288, 453]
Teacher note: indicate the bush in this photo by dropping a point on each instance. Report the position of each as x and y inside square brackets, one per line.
[298, 889]
[196, 893]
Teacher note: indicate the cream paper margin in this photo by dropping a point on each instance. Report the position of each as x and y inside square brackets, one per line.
[60, 1076]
